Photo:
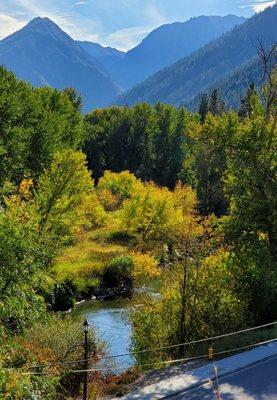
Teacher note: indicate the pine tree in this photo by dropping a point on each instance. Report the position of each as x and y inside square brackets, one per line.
[214, 103]
[246, 105]
[217, 106]
[204, 107]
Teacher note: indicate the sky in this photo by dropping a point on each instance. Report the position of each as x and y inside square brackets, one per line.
[117, 23]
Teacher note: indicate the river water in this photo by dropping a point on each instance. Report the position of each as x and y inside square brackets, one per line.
[110, 319]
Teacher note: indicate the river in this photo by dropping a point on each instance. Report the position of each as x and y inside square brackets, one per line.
[110, 319]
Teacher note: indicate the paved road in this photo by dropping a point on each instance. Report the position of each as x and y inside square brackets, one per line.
[258, 382]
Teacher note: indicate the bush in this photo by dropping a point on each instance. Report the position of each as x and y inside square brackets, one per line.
[145, 267]
[54, 340]
[120, 237]
[63, 296]
[119, 272]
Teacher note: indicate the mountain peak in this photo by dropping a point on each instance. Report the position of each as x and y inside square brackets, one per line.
[44, 25]
[41, 20]
[44, 55]
[38, 19]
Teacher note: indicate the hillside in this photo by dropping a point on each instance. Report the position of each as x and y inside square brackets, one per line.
[182, 81]
[233, 87]
[43, 54]
[167, 44]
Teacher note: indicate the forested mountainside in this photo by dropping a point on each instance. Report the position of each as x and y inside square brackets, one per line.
[233, 87]
[184, 80]
[44, 55]
[167, 44]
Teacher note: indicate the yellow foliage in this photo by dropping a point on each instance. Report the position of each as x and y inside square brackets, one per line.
[114, 188]
[94, 213]
[25, 189]
[145, 267]
[107, 199]
[157, 212]
[185, 203]
[86, 259]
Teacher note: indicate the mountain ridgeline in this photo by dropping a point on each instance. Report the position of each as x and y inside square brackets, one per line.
[106, 56]
[174, 64]
[167, 44]
[42, 54]
[183, 81]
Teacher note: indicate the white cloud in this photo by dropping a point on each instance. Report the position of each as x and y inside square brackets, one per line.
[125, 39]
[262, 5]
[9, 24]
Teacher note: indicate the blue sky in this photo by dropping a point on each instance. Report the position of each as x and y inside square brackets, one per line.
[118, 23]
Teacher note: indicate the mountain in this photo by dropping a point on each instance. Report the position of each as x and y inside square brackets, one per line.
[167, 44]
[43, 54]
[182, 81]
[106, 56]
[233, 87]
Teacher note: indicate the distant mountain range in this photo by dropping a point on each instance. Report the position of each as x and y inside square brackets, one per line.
[211, 51]
[167, 44]
[183, 81]
[106, 56]
[43, 54]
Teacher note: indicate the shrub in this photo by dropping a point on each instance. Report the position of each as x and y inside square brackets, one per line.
[145, 267]
[119, 272]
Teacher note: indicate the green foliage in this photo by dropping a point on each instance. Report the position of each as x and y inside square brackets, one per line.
[198, 300]
[22, 255]
[150, 142]
[250, 182]
[246, 108]
[216, 104]
[61, 193]
[203, 107]
[210, 162]
[35, 124]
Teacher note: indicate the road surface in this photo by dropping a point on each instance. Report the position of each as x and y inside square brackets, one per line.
[256, 382]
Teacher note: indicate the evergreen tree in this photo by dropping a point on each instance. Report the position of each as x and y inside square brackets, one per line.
[204, 107]
[246, 108]
[214, 103]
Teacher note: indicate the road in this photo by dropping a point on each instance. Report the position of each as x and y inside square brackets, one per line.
[257, 382]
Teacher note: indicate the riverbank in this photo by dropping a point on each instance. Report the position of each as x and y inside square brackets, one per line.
[105, 264]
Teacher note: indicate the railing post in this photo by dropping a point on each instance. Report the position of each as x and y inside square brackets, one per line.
[86, 329]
